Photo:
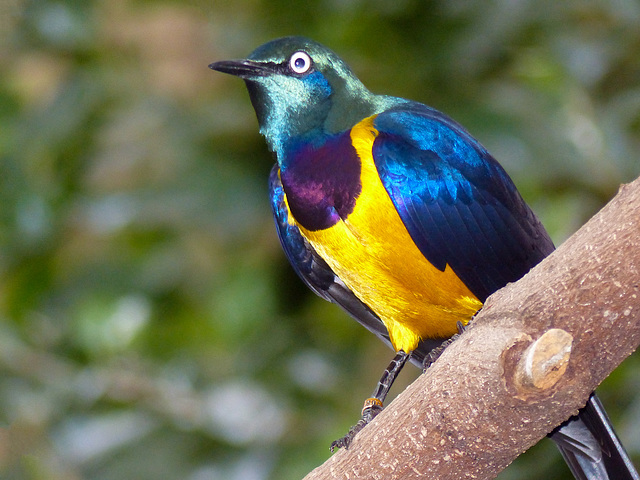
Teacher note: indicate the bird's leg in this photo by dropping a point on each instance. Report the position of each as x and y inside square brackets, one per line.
[374, 404]
[434, 354]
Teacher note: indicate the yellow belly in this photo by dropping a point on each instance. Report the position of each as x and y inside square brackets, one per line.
[374, 255]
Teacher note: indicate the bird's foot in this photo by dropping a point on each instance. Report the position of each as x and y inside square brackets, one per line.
[434, 354]
[372, 407]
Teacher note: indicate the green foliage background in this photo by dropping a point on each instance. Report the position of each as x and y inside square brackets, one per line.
[150, 327]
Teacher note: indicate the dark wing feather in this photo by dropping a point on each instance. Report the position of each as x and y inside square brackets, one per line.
[591, 447]
[458, 204]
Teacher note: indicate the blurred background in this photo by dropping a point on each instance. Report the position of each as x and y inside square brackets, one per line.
[150, 327]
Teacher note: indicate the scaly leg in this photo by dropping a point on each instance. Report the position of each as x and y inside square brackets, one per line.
[434, 354]
[374, 404]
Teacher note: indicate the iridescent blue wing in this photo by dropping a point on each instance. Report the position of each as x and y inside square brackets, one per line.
[458, 204]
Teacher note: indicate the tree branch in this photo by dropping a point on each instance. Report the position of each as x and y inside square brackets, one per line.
[495, 392]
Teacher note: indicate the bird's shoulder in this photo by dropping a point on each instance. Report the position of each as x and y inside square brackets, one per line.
[434, 156]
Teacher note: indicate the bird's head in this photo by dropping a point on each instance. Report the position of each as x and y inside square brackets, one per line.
[300, 88]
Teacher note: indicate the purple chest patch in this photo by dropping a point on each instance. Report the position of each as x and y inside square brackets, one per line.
[322, 182]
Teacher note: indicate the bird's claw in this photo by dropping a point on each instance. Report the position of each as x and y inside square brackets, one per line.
[368, 413]
[434, 354]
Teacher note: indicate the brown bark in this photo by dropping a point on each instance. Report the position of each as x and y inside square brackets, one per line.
[486, 400]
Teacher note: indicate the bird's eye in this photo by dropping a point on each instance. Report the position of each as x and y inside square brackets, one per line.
[300, 62]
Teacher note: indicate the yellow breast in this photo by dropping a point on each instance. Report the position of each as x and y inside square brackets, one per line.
[374, 255]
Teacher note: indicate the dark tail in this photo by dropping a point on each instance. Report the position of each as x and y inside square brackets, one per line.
[590, 446]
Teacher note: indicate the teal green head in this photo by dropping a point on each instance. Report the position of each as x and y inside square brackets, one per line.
[301, 89]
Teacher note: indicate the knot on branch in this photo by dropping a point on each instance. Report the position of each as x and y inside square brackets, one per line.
[545, 361]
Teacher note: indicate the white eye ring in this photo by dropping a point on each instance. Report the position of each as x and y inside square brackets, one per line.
[300, 62]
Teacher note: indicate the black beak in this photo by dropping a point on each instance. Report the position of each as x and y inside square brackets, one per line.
[245, 69]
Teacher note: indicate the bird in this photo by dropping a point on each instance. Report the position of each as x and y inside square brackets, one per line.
[393, 211]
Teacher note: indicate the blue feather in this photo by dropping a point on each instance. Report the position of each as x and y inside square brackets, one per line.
[458, 204]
